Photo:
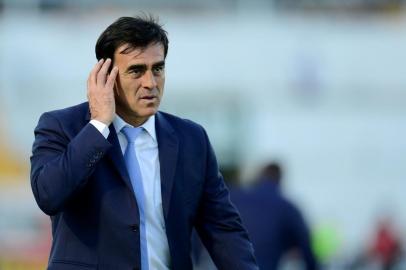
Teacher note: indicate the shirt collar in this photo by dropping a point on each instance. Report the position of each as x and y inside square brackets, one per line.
[149, 125]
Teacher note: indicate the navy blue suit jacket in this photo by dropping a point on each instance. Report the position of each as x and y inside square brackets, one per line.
[80, 180]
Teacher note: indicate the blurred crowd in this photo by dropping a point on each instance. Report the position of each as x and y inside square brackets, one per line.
[282, 237]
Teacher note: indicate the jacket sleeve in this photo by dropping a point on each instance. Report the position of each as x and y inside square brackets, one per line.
[61, 166]
[300, 233]
[219, 224]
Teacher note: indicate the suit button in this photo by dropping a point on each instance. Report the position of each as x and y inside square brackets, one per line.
[134, 228]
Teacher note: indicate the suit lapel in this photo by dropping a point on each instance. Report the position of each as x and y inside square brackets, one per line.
[115, 154]
[168, 146]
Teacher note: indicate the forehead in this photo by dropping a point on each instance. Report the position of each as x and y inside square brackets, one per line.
[149, 55]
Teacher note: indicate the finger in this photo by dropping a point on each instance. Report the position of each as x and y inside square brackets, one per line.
[102, 74]
[92, 76]
[112, 78]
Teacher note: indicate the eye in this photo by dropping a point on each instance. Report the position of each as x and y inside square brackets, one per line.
[136, 72]
[158, 70]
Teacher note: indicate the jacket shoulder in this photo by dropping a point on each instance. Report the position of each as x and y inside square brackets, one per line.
[73, 112]
[182, 124]
[69, 120]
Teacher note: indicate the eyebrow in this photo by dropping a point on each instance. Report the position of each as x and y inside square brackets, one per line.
[159, 64]
[143, 66]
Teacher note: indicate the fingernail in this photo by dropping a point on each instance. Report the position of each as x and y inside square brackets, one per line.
[101, 60]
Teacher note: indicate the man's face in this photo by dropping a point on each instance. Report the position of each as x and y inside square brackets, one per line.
[140, 82]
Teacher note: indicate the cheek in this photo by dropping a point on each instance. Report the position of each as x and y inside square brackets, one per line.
[161, 83]
[129, 88]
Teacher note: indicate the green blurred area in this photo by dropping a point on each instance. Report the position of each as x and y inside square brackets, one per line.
[21, 265]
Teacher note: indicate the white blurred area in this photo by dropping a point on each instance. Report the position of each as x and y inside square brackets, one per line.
[324, 92]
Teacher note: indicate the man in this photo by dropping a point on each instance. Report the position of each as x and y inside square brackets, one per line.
[124, 183]
[275, 225]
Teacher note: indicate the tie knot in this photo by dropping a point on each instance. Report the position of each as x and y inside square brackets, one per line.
[131, 133]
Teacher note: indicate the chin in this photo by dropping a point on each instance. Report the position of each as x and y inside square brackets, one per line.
[149, 112]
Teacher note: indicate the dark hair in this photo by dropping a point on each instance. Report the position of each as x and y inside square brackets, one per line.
[272, 172]
[138, 32]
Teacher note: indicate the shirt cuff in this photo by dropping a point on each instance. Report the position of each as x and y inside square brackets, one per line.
[102, 127]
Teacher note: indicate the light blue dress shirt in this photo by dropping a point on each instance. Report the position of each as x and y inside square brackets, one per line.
[146, 148]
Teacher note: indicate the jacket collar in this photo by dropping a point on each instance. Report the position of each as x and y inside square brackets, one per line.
[168, 147]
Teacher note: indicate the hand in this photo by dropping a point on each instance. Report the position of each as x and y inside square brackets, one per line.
[100, 92]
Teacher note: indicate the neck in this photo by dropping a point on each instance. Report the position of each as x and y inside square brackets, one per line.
[132, 119]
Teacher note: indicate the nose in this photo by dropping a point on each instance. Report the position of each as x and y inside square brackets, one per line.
[148, 80]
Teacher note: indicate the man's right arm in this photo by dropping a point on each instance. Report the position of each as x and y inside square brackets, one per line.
[61, 166]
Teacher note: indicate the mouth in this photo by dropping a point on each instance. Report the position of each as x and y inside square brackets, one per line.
[149, 97]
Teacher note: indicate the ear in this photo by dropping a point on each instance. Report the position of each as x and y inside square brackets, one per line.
[115, 88]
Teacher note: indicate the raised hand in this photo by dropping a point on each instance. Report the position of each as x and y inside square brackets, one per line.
[100, 92]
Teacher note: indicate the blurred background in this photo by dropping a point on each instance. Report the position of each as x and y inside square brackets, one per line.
[319, 86]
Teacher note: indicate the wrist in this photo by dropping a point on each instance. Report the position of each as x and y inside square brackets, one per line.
[104, 121]
[101, 127]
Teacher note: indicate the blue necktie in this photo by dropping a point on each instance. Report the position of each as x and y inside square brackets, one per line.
[136, 180]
